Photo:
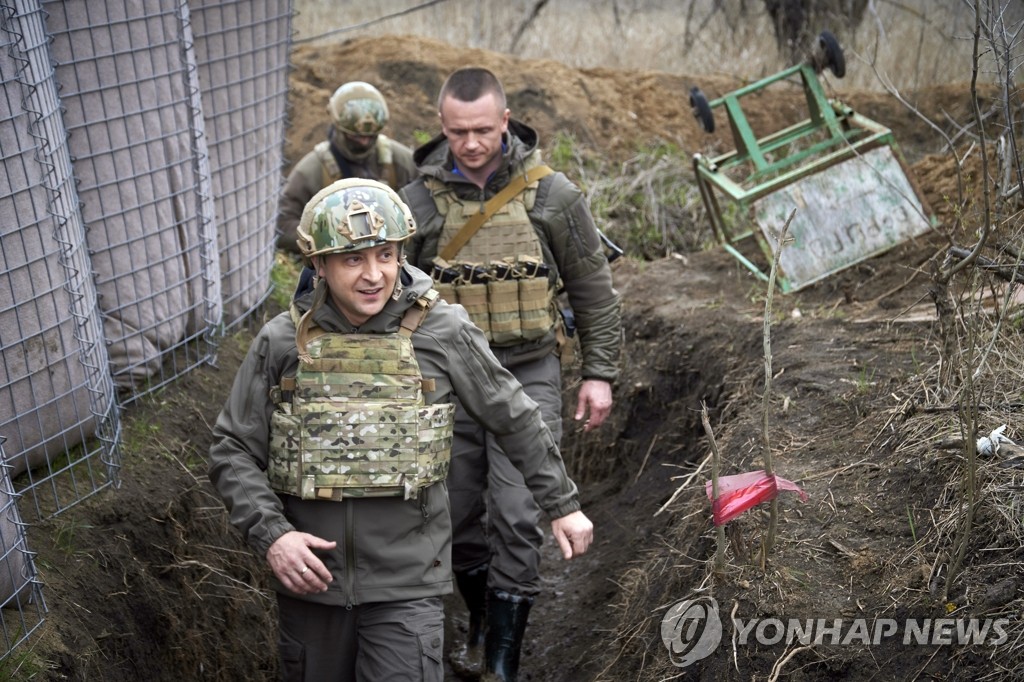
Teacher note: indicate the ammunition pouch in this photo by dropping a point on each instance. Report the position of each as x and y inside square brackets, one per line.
[511, 300]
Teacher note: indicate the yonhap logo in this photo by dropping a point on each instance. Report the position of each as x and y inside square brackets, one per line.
[691, 630]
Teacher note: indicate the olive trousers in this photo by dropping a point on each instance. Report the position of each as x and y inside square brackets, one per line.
[494, 517]
[401, 640]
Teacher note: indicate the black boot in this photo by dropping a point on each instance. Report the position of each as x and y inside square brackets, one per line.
[506, 624]
[468, 660]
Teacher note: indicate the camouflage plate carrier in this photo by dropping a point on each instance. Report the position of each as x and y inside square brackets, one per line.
[353, 422]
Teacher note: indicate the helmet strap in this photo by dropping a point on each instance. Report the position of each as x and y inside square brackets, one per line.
[397, 293]
[306, 321]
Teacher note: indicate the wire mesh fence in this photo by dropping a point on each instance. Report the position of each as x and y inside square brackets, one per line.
[57, 406]
[135, 130]
[242, 51]
[142, 150]
[22, 608]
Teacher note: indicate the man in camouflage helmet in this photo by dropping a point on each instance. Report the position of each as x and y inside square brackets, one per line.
[354, 148]
[492, 217]
[332, 449]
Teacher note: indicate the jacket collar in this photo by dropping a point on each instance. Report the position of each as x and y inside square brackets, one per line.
[434, 159]
[414, 284]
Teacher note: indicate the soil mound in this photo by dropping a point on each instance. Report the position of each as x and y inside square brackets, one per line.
[611, 112]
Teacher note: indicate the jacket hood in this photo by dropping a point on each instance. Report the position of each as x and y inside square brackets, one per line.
[414, 283]
[434, 159]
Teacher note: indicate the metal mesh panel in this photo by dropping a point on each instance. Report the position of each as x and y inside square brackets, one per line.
[134, 131]
[21, 599]
[118, 219]
[57, 407]
[114, 282]
[242, 47]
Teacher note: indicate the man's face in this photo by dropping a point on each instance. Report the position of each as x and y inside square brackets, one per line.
[474, 131]
[361, 282]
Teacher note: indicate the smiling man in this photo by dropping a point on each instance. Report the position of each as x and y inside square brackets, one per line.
[493, 218]
[332, 450]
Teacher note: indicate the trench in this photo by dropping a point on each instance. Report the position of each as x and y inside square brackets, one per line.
[626, 473]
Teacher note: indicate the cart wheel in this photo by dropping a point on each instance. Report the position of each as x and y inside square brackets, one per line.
[832, 53]
[701, 110]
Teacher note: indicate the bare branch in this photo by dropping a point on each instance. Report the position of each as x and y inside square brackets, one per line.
[523, 27]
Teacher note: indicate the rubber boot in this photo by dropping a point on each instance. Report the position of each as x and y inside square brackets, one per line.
[468, 660]
[506, 624]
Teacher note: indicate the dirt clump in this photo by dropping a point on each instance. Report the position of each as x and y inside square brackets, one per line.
[150, 582]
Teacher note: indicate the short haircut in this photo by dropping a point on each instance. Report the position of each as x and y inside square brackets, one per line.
[470, 84]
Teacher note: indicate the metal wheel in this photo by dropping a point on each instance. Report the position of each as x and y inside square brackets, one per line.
[701, 110]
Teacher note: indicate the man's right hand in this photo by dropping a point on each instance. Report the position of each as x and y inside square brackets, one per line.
[292, 560]
[574, 533]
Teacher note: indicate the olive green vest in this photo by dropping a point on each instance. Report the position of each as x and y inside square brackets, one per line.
[385, 157]
[494, 283]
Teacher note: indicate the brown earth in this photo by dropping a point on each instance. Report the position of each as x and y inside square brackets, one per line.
[148, 582]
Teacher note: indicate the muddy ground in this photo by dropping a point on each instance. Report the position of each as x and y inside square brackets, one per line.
[148, 582]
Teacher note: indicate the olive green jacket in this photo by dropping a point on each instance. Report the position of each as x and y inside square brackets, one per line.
[568, 237]
[387, 548]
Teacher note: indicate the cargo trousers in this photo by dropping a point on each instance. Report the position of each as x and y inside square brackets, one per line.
[401, 640]
[494, 517]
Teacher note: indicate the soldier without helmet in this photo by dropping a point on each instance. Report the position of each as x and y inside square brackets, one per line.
[486, 204]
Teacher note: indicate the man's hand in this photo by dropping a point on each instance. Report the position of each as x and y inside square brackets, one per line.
[574, 533]
[295, 565]
[595, 395]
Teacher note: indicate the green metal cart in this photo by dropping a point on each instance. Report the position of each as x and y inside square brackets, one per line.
[841, 172]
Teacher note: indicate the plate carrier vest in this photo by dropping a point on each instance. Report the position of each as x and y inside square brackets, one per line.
[353, 422]
[509, 309]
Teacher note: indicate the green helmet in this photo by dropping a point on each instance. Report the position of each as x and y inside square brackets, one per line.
[353, 214]
[358, 108]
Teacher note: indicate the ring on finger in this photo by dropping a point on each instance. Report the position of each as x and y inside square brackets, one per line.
[303, 571]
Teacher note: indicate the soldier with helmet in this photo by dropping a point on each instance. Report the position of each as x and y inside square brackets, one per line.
[355, 148]
[333, 446]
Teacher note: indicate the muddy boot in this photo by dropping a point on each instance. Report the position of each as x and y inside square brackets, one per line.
[506, 623]
[468, 659]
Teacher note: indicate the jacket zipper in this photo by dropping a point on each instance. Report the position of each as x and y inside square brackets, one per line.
[423, 508]
[261, 352]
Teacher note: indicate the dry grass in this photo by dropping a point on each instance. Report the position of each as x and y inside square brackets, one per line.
[914, 43]
[986, 586]
[990, 379]
[649, 205]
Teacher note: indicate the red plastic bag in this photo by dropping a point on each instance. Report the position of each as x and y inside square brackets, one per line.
[740, 492]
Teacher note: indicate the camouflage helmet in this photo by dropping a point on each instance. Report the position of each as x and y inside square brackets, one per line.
[358, 108]
[353, 214]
